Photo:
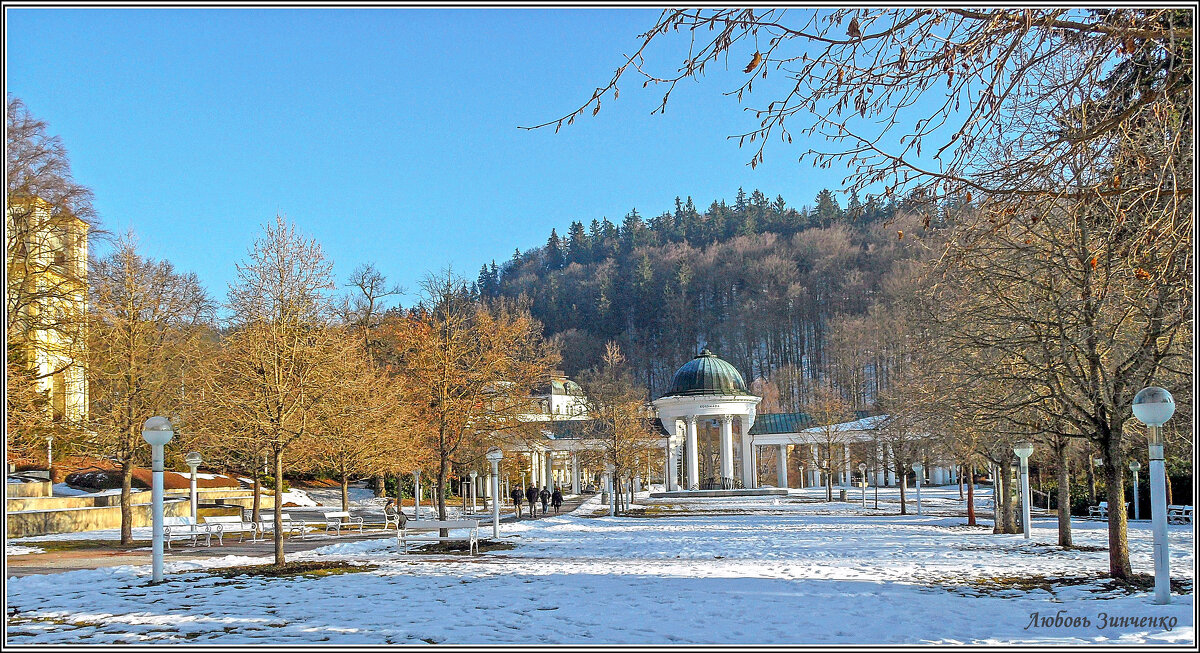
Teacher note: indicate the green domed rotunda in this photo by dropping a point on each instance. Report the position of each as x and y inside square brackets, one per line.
[707, 374]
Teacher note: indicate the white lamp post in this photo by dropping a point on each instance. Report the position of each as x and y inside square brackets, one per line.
[193, 461]
[862, 470]
[918, 471]
[1134, 466]
[49, 456]
[1153, 406]
[1023, 451]
[417, 493]
[494, 455]
[609, 468]
[157, 432]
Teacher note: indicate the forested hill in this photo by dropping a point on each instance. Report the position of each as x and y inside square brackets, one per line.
[764, 285]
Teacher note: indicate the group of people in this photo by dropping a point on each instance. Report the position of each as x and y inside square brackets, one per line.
[532, 495]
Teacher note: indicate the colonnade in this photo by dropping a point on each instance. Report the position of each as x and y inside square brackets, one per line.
[687, 445]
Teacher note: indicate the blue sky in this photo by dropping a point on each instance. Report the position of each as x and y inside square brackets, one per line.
[390, 135]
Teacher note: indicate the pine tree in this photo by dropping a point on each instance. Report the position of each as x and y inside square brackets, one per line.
[578, 247]
[554, 253]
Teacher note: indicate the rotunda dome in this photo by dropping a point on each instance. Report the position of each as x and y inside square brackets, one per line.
[707, 374]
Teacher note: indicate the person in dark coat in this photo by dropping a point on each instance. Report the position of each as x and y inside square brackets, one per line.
[556, 500]
[544, 495]
[517, 495]
[531, 495]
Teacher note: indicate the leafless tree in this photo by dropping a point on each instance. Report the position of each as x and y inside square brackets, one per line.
[281, 348]
[146, 321]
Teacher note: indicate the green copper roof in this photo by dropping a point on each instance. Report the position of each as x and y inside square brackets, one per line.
[707, 375]
[772, 423]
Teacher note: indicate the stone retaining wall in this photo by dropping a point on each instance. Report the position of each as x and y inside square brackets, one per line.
[50, 515]
[31, 489]
[46, 522]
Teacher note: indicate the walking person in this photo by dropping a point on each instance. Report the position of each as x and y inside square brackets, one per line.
[516, 496]
[544, 495]
[531, 496]
[556, 500]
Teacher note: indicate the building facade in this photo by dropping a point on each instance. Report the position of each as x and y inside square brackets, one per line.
[46, 302]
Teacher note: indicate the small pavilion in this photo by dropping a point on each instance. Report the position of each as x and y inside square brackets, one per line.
[707, 391]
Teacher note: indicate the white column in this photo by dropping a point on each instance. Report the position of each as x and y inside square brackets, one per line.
[669, 477]
[574, 473]
[846, 465]
[815, 473]
[637, 483]
[781, 466]
[747, 457]
[891, 472]
[548, 472]
[726, 447]
[693, 459]
[879, 472]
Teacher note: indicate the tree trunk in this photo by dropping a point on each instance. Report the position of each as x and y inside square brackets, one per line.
[278, 521]
[126, 505]
[1064, 492]
[1010, 504]
[440, 494]
[1118, 537]
[997, 501]
[1091, 476]
[960, 482]
[903, 486]
[345, 492]
[970, 495]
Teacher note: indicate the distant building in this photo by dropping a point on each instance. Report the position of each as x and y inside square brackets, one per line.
[46, 301]
[559, 398]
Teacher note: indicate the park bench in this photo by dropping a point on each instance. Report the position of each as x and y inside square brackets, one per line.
[472, 536]
[393, 517]
[333, 520]
[1179, 514]
[1101, 511]
[297, 526]
[231, 524]
[186, 528]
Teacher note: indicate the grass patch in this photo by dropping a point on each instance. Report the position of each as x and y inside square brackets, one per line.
[463, 547]
[78, 545]
[1103, 585]
[308, 569]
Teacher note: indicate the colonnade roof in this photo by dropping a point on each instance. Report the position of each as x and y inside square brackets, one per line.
[581, 429]
[772, 423]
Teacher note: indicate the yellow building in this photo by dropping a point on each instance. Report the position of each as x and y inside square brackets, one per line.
[46, 299]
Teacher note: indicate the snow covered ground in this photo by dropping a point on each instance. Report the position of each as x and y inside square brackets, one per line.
[769, 570]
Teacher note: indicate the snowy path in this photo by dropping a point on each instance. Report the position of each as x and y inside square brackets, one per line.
[767, 572]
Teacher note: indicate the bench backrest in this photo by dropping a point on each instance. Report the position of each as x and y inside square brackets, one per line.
[223, 519]
[267, 520]
[331, 515]
[1104, 504]
[414, 524]
[178, 521]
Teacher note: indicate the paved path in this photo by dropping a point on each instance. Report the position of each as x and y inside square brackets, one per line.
[112, 554]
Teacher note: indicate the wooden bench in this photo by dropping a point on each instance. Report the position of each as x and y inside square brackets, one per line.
[186, 528]
[1179, 514]
[231, 524]
[405, 532]
[333, 520]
